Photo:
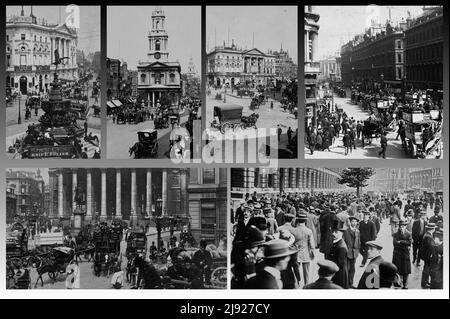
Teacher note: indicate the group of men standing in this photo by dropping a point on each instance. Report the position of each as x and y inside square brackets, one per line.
[276, 239]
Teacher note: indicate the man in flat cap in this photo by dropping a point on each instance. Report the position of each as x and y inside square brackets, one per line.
[370, 277]
[277, 254]
[353, 241]
[426, 252]
[401, 255]
[327, 269]
[368, 232]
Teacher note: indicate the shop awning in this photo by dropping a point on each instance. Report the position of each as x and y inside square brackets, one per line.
[117, 102]
[110, 104]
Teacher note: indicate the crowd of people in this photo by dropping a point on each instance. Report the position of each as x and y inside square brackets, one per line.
[276, 238]
[333, 122]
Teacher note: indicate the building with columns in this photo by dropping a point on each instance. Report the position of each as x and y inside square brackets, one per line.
[228, 65]
[137, 193]
[157, 76]
[274, 181]
[30, 47]
[390, 180]
[312, 65]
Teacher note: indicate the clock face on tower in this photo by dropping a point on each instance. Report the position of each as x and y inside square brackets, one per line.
[157, 55]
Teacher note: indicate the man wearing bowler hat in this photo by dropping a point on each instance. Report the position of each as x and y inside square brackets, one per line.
[338, 255]
[401, 255]
[426, 253]
[327, 269]
[277, 254]
[370, 278]
[353, 242]
[388, 275]
[367, 232]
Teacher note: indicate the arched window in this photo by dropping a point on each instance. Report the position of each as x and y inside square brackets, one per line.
[157, 45]
[172, 77]
[143, 78]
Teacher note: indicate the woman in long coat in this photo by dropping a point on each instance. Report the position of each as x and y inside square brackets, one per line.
[401, 256]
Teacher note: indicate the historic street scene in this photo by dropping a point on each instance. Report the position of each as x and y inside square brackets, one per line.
[113, 228]
[153, 81]
[53, 82]
[252, 78]
[374, 81]
[336, 228]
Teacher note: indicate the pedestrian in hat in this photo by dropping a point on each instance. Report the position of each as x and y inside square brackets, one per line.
[305, 245]
[312, 223]
[245, 255]
[417, 233]
[327, 269]
[288, 219]
[242, 223]
[426, 253]
[338, 255]
[291, 275]
[326, 221]
[272, 225]
[368, 232]
[277, 254]
[370, 278]
[388, 275]
[401, 255]
[395, 217]
[437, 279]
[352, 239]
[410, 220]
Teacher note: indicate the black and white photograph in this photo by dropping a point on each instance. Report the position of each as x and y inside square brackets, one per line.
[53, 82]
[337, 228]
[153, 81]
[116, 228]
[374, 82]
[252, 79]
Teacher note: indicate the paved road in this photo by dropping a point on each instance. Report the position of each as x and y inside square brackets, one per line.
[120, 137]
[337, 150]
[268, 118]
[87, 278]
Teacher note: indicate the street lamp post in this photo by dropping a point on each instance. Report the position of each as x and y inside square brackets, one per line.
[19, 118]
[382, 82]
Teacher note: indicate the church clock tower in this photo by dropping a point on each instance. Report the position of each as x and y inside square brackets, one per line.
[158, 37]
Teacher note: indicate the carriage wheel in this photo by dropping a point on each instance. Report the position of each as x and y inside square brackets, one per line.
[219, 277]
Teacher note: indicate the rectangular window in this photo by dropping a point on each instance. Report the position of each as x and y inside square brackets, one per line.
[209, 176]
[22, 36]
[8, 60]
[23, 59]
[7, 37]
[208, 216]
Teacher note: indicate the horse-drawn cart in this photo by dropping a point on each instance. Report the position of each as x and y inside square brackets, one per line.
[230, 116]
[147, 145]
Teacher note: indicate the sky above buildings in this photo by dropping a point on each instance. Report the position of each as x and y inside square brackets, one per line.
[271, 27]
[339, 24]
[89, 31]
[128, 29]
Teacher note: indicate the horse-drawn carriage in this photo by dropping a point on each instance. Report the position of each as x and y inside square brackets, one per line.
[147, 144]
[421, 132]
[161, 121]
[372, 128]
[257, 100]
[230, 116]
[136, 242]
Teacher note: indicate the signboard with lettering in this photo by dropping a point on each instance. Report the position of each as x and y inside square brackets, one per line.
[22, 68]
[62, 151]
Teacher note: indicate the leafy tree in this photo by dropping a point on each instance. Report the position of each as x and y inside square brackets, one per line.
[356, 177]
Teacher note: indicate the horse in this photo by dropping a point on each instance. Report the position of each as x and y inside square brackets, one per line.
[136, 149]
[50, 267]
